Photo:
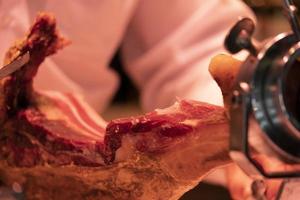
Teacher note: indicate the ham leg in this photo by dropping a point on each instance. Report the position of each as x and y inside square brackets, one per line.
[54, 146]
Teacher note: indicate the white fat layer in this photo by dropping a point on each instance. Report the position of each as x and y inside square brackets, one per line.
[191, 122]
[91, 114]
[126, 150]
[168, 110]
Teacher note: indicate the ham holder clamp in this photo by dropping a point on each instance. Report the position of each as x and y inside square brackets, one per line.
[265, 100]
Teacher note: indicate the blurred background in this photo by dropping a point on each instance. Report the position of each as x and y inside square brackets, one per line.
[270, 22]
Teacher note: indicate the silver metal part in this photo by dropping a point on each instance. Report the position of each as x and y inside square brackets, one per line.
[267, 96]
[291, 11]
[14, 65]
[265, 99]
[258, 188]
[289, 190]
[259, 90]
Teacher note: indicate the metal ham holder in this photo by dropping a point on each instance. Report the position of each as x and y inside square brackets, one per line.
[266, 99]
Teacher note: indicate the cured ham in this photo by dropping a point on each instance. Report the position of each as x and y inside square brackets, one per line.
[54, 146]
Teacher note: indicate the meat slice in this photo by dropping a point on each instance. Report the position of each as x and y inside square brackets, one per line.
[54, 146]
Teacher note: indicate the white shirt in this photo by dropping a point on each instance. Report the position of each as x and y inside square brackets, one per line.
[166, 45]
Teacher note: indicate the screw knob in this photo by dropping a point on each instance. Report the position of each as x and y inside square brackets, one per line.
[239, 37]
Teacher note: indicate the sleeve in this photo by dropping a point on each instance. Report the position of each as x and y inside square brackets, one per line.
[95, 30]
[169, 44]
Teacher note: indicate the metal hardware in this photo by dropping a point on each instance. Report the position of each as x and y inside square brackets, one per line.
[265, 98]
[239, 37]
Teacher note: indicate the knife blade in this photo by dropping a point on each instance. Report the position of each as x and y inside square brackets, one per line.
[14, 65]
